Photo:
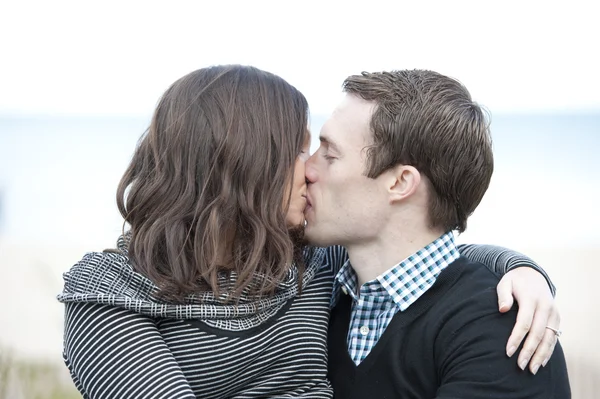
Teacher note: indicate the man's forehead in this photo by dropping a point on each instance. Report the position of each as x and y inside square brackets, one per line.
[325, 133]
[350, 119]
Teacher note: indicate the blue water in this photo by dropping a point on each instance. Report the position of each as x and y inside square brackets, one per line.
[58, 177]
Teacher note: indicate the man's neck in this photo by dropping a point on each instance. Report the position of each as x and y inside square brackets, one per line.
[372, 259]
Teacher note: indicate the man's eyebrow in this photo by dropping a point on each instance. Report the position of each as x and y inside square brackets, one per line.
[326, 140]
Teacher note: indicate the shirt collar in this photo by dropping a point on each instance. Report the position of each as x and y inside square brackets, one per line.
[404, 283]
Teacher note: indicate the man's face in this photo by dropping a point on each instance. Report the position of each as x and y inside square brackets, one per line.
[344, 206]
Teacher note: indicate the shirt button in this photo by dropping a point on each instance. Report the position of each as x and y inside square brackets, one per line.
[364, 330]
[345, 290]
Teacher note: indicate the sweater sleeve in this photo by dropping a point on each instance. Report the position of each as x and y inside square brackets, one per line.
[115, 353]
[501, 260]
[473, 364]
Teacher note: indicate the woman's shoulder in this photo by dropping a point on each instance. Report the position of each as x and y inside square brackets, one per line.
[103, 275]
[331, 259]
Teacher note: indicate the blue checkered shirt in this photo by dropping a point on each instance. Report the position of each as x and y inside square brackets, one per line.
[395, 290]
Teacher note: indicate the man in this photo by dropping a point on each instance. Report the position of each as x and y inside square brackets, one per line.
[404, 161]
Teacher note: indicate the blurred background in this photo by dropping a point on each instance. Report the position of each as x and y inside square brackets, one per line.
[79, 81]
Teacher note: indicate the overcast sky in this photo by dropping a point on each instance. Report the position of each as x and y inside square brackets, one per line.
[117, 57]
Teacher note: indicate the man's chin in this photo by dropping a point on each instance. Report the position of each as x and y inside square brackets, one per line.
[311, 238]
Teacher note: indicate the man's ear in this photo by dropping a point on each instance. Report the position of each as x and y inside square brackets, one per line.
[404, 181]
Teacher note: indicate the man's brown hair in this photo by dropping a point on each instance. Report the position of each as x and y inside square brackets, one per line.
[203, 193]
[429, 121]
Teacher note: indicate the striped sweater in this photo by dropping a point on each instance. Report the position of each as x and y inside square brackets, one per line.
[120, 341]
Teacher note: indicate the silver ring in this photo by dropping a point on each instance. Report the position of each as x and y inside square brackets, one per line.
[556, 332]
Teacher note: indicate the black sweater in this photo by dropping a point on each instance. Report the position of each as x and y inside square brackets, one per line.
[449, 344]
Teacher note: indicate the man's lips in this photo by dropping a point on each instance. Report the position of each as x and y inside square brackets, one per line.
[308, 201]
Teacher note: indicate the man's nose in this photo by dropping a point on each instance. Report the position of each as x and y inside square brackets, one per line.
[309, 172]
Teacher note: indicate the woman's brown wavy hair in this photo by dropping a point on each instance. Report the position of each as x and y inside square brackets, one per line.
[207, 188]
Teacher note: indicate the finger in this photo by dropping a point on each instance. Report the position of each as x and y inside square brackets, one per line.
[534, 337]
[522, 326]
[505, 296]
[546, 347]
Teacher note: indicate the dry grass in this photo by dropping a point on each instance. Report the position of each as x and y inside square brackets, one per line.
[25, 379]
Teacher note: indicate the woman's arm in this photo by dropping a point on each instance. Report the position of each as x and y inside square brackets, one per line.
[501, 260]
[115, 353]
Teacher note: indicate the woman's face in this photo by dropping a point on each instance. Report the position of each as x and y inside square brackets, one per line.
[295, 215]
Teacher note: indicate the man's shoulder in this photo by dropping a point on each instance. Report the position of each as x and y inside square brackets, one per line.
[469, 276]
[468, 293]
[468, 336]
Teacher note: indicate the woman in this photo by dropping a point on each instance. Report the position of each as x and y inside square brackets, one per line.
[211, 292]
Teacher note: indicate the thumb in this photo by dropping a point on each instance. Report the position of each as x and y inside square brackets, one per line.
[505, 296]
